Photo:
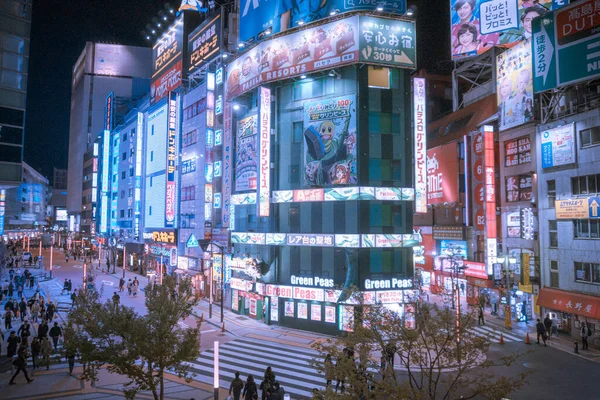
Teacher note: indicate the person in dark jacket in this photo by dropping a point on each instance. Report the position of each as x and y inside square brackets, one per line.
[24, 331]
[50, 311]
[21, 364]
[235, 389]
[541, 331]
[250, 390]
[55, 333]
[43, 330]
[36, 348]
[23, 308]
[12, 344]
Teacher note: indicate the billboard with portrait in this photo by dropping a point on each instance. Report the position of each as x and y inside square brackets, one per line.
[514, 86]
[330, 141]
[260, 19]
[246, 159]
[478, 25]
[442, 174]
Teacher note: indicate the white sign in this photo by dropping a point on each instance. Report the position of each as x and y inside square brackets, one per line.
[240, 284]
[264, 169]
[420, 140]
[390, 296]
[492, 253]
[388, 284]
[279, 291]
[310, 281]
[558, 146]
[498, 16]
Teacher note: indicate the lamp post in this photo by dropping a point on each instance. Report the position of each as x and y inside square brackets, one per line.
[204, 245]
[507, 261]
[216, 370]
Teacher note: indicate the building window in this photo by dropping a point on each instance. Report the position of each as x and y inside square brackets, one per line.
[123, 175]
[590, 137]
[124, 156]
[587, 184]
[298, 130]
[124, 137]
[130, 192]
[130, 171]
[152, 132]
[149, 210]
[188, 220]
[586, 228]
[129, 212]
[587, 272]
[150, 181]
[188, 193]
[553, 230]
[151, 156]
[554, 273]
[551, 192]
[190, 138]
[122, 194]
[122, 213]
[131, 153]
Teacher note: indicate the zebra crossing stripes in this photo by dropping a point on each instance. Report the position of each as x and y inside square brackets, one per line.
[290, 364]
[494, 335]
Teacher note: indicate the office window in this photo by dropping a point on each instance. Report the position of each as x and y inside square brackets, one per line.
[586, 184]
[188, 220]
[590, 137]
[123, 175]
[152, 156]
[124, 137]
[152, 130]
[129, 212]
[554, 273]
[130, 171]
[188, 193]
[124, 156]
[553, 231]
[122, 194]
[551, 184]
[586, 228]
[150, 181]
[149, 210]
[122, 213]
[131, 153]
[587, 272]
[130, 192]
[298, 131]
[189, 138]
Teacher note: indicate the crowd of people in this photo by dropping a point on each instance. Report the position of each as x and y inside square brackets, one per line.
[269, 387]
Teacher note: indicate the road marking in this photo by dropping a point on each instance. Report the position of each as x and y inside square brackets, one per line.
[108, 283]
[78, 266]
[183, 325]
[208, 330]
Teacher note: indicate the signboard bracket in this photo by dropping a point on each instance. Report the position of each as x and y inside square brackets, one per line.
[477, 71]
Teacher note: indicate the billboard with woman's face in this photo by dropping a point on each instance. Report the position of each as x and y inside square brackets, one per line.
[478, 25]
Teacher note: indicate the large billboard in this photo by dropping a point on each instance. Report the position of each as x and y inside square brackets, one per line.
[565, 46]
[442, 174]
[558, 146]
[514, 86]
[350, 40]
[246, 157]
[260, 19]
[264, 171]
[170, 192]
[330, 141]
[167, 56]
[420, 144]
[204, 44]
[478, 25]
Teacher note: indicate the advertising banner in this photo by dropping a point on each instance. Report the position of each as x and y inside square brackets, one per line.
[478, 25]
[264, 171]
[517, 151]
[442, 174]
[490, 196]
[454, 248]
[204, 43]
[577, 208]
[227, 164]
[558, 146]
[475, 269]
[248, 238]
[330, 141]
[167, 55]
[246, 160]
[380, 40]
[260, 19]
[420, 143]
[299, 239]
[514, 86]
[519, 188]
[388, 240]
[170, 192]
[565, 47]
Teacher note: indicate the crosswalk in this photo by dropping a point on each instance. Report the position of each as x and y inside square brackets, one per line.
[493, 335]
[289, 363]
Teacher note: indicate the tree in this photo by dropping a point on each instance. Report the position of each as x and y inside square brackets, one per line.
[439, 359]
[141, 347]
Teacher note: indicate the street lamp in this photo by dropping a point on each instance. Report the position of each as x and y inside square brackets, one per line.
[204, 244]
[507, 261]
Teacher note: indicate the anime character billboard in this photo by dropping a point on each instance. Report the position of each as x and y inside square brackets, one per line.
[246, 160]
[330, 141]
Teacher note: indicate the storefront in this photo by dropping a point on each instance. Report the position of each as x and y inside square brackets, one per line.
[247, 298]
[570, 309]
[478, 285]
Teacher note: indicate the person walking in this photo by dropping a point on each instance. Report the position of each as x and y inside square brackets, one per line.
[23, 308]
[121, 284]
[46, 349]
[36, 348]
[480, 319]
[236, 387]
[65, 286]
[116, 300]
[19, 290]
[548, 325]
[43, 330]
[250, 390]
[21, 364]
[134, 287]
[329, 371]
[55, 334]
[70, 287]
[541, 331]
[12, 343]
[24, 331]
[11, 287]
[555, 326]
[267, 383]
[129, 286]
[50, 311]
[70, 356]
[31, 281]
[35, 310]
[8, 315]
[585, 332]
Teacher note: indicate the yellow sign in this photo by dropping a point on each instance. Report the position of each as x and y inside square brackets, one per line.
[526, 270]
[526, 288]
[572, 209]
[507, 317]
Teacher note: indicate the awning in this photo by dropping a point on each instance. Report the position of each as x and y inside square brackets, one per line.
[574, 303]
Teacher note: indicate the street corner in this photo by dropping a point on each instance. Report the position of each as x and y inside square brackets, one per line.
[46, 385]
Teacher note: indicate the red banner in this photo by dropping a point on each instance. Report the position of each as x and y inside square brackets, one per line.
[490, 185]
[442, 174]
[167, 82]
[475, 269]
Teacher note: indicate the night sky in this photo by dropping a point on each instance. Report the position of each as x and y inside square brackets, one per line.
[60, 29]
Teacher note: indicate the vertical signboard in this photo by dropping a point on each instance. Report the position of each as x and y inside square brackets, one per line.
[137, 191]
[442, 174]
[171, 157]
[105, 160]
[226, 181]
[3, 210]
[420, 143]
[167, 55]
[490, 196]
[108, 115]
[264, 169]
[477, 181]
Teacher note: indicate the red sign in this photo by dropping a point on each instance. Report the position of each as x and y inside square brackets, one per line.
[170, 203]
[480, 220]
[279, 291]
[301, 293]
[490, 186]
[572, 303]
[478, 144]
[577, 21]
[442, 174]
[167, 82]
[475, 269]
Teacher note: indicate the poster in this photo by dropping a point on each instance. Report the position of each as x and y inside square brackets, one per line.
[330, 141]
[514, 86]
[346, 319]
[303, 310]
[330, 314]
[478, 25]
[442, 174]
[235, 301]
[558, 146]
[246, 160]
[289, 309]
[274, 309]
[517, 151]
[315, 312]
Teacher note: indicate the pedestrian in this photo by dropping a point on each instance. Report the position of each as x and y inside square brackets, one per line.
[70, 356]
[116, 299]
[134, 287]
[480, 319]
[121, 284]
[11, 287]
[548, 325]
[24, 331]
[250, 391]
[555, 326]
[70, 287]
[43, 330]
[129, 286]
[8, 315]
[35, 309]
[36, 348]
[390, 351]
[268, 381]
[19, 291]
[31, 281]
[329, 371]
[55, 334]
[23, 308]
[67, 257]
[278, 392]
[585, 332]
[541, 331]
[21, 364]
[235, 389]
[12, 344]
[50, 311]
[65, 286]
[107, 266]
[46, 349]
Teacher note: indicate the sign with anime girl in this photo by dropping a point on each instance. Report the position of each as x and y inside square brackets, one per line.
[330, 141]
[246, 160]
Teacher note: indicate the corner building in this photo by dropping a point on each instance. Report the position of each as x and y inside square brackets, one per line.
[337, 219]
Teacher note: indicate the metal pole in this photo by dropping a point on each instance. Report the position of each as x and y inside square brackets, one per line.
[210, 292]
[160, 267]
[40, 246]
[216, 370]
[508, 308]
[124, 262]
[51, 246]
[222, 284]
